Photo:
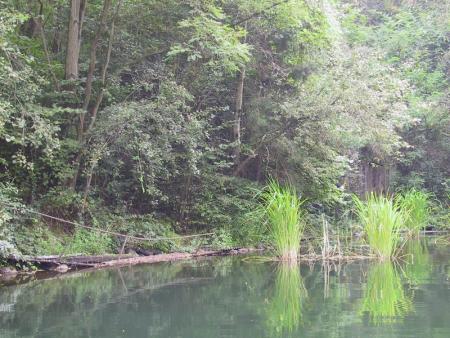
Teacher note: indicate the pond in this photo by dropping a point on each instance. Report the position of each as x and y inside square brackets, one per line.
[239, 297]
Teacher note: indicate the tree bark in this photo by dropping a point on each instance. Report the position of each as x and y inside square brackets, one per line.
[76, 17]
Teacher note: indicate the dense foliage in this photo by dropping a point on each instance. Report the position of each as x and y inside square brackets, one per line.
[118, 113]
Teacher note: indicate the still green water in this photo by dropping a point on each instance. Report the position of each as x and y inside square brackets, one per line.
[233, 297]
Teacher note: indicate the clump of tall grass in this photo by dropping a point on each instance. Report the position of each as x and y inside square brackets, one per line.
[416, 206]
[382, 220]
[282, 209]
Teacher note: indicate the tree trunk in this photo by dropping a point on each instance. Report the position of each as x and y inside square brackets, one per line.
[76, 17]
[237, 119]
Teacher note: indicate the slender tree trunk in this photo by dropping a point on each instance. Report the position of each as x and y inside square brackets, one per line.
[98, 101]
[47, 55]
[238, 113]
[82, 131]
[183, 215]
[91, 70]
[87, 186]
[237, 117]
[57, 36]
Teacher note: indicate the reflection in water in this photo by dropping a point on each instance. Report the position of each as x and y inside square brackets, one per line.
[285, 308]
[418, 267]
[384, 298]
[79, 296]
[232, 297]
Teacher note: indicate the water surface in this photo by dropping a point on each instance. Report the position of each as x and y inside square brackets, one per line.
[233, 297]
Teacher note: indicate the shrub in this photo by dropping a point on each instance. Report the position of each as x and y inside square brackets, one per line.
[224, 202]
[145, 226]
[10, 208]
[38, 239]
[89, 242]
[222, 239]
[61, 202]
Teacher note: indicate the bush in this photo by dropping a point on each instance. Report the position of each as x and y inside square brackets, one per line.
[222, 239]
[9, 209]
[34, 238]
[224, 202]
[61, 202]
[89, 242]
[440, 215]
[147, 226]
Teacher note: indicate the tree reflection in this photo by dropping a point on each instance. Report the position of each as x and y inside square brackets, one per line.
[78, 297]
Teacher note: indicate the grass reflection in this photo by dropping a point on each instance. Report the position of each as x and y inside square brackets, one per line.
[418, 262]
[385, 299]
[286, 307]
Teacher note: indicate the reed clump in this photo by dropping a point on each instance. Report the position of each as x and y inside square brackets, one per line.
[282, 209]
[416, 207]
[382, 221]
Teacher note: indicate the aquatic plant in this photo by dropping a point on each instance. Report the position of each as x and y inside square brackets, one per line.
[382, 221]
[286, 307]
[415, 205]
[282, 209]
[384, 297]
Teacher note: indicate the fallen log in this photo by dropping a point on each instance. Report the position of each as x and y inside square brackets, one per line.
[52, 263]
[73, 261]
[175, 256]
